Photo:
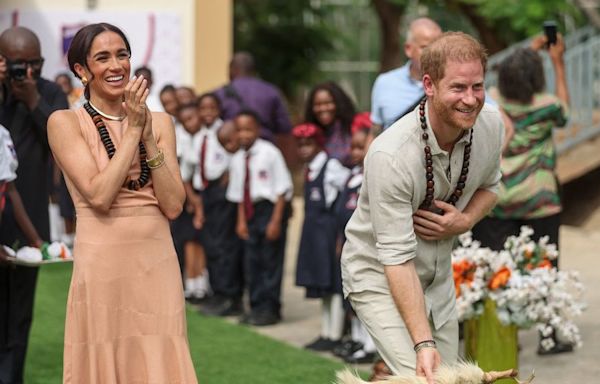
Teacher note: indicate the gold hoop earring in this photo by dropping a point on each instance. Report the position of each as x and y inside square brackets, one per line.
[84, 81]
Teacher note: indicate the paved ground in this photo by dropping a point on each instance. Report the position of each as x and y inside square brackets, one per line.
[580, 246]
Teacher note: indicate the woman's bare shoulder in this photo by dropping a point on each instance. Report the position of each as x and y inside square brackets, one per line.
[162, 118]
[63, 126]
[62, 119]
[162, 122]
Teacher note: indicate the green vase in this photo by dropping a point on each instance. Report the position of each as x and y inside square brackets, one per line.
[489, 343]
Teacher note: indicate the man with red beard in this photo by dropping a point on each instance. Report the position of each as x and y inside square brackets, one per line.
[428, 178]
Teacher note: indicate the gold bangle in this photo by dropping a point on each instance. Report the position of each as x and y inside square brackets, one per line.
[157, 161]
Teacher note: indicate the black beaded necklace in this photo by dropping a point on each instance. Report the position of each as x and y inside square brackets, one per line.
[429, 192]
[133, 185]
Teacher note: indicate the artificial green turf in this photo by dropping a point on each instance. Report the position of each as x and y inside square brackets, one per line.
[223, 353]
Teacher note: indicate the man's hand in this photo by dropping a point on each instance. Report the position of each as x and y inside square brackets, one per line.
[273, 230]
[3, 255]
[428, 359]
[26, 90]
[431, 226]
[3, 69]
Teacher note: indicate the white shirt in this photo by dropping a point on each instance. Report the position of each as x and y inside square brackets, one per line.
[216, 159]
[153, 102]
[269, 176]
[183, 140]
[8, 157]
[356, 178]
[335, 176]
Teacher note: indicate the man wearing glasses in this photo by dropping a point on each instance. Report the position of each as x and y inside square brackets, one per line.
[26, 101]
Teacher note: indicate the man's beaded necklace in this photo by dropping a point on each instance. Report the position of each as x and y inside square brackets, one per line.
[462, 180]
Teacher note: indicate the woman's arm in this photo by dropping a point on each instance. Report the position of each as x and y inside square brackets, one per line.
[71, 152]
[166, 179]
[556, 52]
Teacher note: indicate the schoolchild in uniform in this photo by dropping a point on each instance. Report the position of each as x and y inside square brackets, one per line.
[360, 348]
[190, 224]
[170, 104]
[261, 185]
[318, 267]
[8, 173]
[210, 161]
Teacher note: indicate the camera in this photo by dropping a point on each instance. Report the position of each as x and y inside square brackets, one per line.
[550, 31]
[17, 71]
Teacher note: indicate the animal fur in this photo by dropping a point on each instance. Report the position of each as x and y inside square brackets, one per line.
[460, 373]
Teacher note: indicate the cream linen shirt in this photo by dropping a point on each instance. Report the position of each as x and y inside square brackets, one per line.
[381, 232]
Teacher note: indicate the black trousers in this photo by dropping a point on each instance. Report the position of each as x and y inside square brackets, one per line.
[17, 292]
[263, 260]
[224, 250]
[493, 232]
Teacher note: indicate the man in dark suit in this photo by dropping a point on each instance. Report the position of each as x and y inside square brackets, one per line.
[26, 101]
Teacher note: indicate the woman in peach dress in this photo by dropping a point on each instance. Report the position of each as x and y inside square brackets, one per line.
[125, 313]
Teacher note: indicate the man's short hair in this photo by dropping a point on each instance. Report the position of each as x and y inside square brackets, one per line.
[450, 46]
[141, 70]
[167, 88]
[250, 113]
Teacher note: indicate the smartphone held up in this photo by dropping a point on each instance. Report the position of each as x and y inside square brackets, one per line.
[550, 30]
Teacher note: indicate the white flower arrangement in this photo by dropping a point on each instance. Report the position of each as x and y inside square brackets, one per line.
[527, 290]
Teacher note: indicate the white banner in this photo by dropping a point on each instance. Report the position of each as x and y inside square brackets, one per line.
[155, 38]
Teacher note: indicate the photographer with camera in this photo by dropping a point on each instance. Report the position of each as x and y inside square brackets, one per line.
[26, 101]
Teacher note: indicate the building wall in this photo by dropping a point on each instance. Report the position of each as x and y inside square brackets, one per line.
[206, 30]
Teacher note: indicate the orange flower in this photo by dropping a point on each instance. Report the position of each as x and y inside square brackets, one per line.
[545, 264]
[462, 272]
[499, 279]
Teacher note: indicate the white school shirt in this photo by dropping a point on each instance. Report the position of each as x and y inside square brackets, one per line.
[356, 177]
[269, 176]
[183, 140]
[8, 157]
[334, 179]
[216, 160]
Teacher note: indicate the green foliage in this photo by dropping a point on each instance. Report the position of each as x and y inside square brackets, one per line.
[223, 353]
[515, 20]
[287, 39]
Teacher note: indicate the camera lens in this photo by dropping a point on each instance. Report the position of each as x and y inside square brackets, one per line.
[17, 71]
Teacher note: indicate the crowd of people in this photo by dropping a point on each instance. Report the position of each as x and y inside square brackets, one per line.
[197, 200]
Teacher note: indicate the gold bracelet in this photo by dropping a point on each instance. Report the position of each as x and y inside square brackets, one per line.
[157, 161]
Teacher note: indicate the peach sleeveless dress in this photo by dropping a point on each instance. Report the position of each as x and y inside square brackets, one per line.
[125, 312]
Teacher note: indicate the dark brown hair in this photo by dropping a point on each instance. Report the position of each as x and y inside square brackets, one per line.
[344, 107]
[82, 43]
[521, 75]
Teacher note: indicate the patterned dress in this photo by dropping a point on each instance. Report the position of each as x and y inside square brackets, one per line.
[529, 187]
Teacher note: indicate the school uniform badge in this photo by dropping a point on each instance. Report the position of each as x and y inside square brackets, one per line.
[315, 194]
[352, 201]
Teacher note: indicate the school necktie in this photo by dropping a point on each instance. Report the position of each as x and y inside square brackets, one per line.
[248, 207]
[202, 163]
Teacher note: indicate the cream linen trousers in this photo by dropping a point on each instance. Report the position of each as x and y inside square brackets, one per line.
[381, 317]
